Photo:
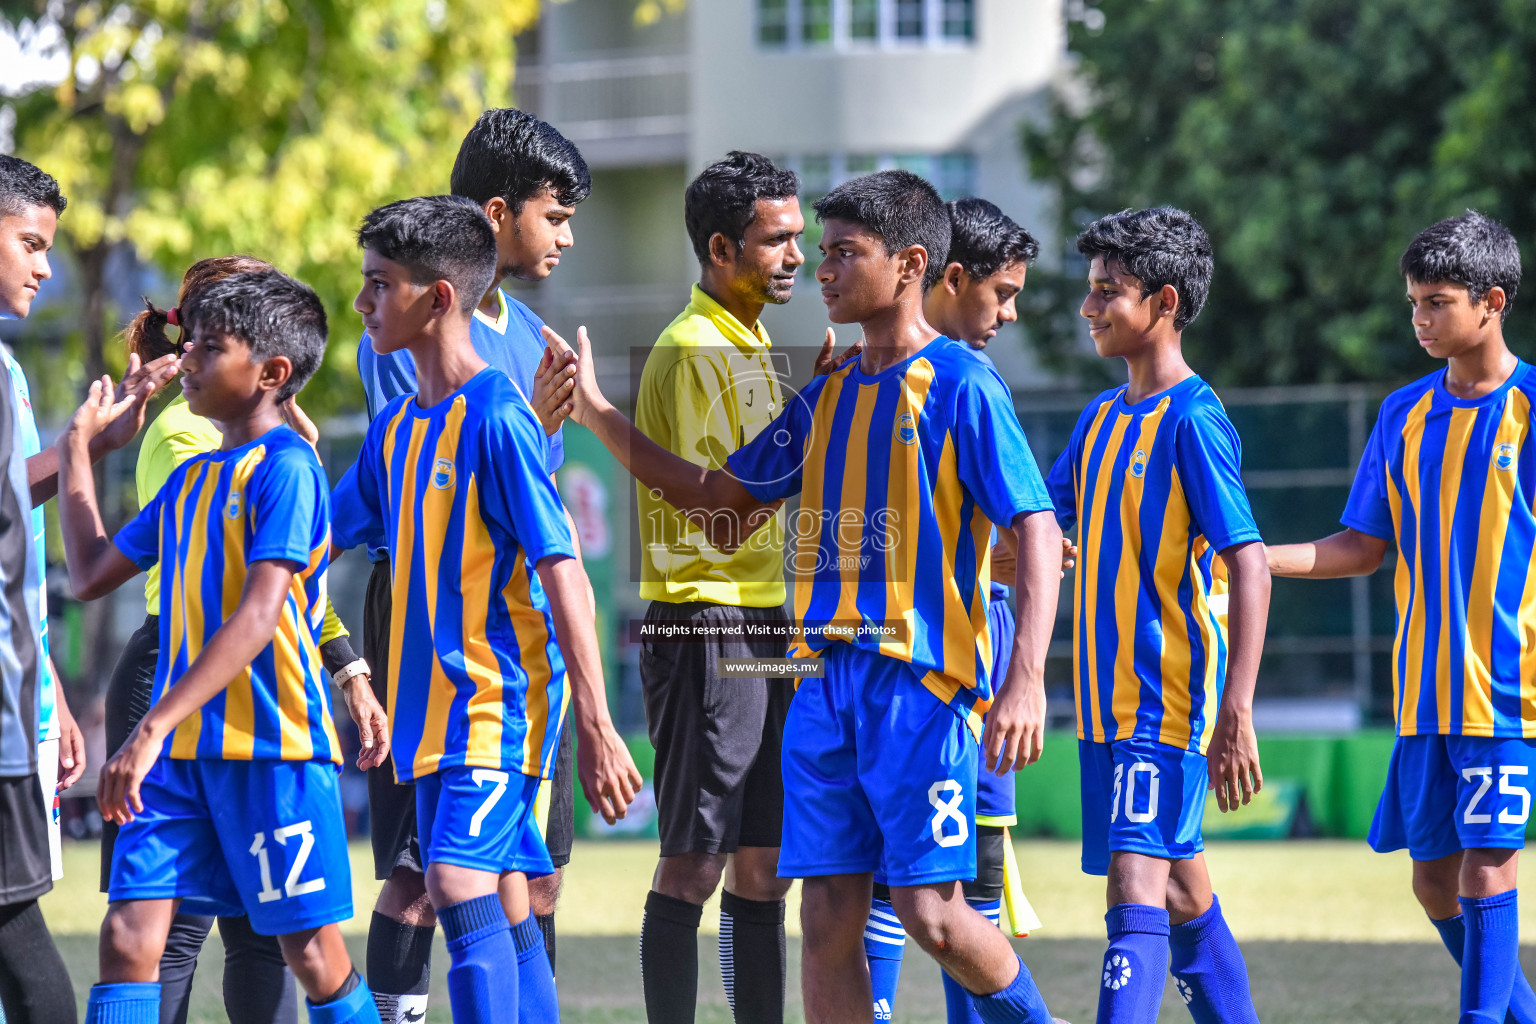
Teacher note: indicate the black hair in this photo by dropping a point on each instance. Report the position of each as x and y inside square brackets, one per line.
[23, 185]
[1471, 250]
[436, 238]
[1158, 247]
[271, 312]
[512, 154]
[984, 240]
[901, 208]
[723, 198]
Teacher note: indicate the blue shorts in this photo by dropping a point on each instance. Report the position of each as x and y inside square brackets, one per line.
[481, 818]
[996, 796]
[260, 838]
[1140, 796]
[879, 775]
[1446, 794]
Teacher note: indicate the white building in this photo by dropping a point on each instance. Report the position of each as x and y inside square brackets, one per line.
[833, 88]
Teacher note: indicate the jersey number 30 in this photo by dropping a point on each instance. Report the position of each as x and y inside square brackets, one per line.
[304, 831]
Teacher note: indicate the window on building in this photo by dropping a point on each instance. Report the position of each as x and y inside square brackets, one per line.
[864, 20]
[959, 17]
[812, 24]
[815, 22]
[773, 22]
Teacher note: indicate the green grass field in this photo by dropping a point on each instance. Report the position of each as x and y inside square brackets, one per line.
[1329, 929]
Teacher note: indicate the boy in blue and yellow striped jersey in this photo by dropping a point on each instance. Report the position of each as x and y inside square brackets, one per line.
[1448, 477]
[226, 790]
[489, 607]
[1151, 479]
[903, 459]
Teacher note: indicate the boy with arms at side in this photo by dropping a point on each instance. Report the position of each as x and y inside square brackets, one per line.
[1447, 477]
[239, 742]
[453, 482]
[528, 179]
[916, 442]
[989, 255]
[1164, 693]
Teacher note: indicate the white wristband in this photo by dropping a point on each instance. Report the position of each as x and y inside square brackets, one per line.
[347, 671]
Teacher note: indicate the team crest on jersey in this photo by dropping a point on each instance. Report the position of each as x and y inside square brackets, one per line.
[1504, 455]
[442, 474]
[1138, 467]
[234, 505]
[906, 429]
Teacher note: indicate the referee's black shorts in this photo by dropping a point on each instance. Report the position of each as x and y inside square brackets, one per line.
[717, 780]
[392, 805]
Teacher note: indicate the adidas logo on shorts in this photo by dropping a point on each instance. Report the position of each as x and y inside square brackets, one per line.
[882, 1009]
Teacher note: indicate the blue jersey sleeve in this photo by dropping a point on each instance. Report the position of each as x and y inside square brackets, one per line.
[992, 455]
[1368, 509]
[1208, 454]
[139, 541]
[769, 466]
[288, 507]
[358, 502]
[385, 377]
[1062, 485]
[518, 492]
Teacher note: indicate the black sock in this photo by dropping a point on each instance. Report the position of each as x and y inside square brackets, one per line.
[669, 958]
[752, 958]
[399, 964]
[178, 965]
[36, 982]
[347, 988]
[258, 986]
[547, 926]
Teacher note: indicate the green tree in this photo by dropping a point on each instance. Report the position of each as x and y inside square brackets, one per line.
[1312, 138]
[190, 128]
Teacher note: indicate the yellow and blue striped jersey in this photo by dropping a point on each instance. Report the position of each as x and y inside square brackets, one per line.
[266, 500]
[459, 495]
[901, 475]
[1156, 492]
[1451, 482]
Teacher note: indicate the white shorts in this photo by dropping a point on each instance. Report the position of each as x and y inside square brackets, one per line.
[48, 775]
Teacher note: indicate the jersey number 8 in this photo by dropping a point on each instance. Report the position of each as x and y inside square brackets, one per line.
[946, 798]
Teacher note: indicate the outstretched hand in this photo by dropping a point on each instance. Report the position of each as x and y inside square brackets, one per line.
[553, 383]
[826, 362]
[586, 399]
[100, 410]
[130, 399]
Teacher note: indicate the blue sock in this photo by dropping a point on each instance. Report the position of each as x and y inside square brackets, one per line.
[1490, 960]
[356, 1007]
[1209, 968]
[885, 942]
[958, 1008]
[481, 989]
[1135, 965]
[536, 999]
[1522, 1001]
[1019, 1003]
[124, 1003]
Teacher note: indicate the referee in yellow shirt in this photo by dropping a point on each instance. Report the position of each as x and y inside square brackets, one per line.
[708, 388]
